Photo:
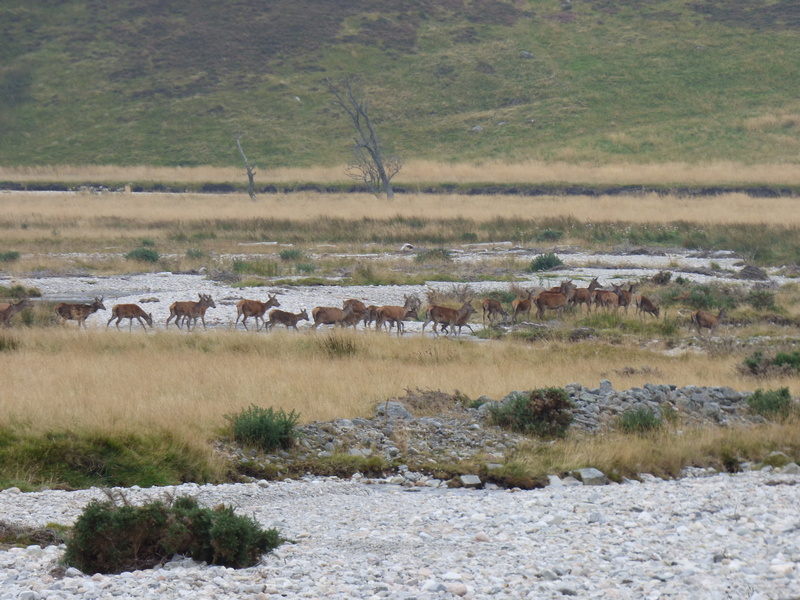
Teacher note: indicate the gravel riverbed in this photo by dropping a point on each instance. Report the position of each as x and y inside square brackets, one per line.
[713, 537]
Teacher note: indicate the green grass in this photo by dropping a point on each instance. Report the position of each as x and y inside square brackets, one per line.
[667, 80]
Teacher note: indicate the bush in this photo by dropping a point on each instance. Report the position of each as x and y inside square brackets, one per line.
[544, 262]
[789, 359]
[770, 403]
[264, 428]
[639, 420]
[194, 253]
[143, 255]
[549, 235]
[9, 256]
[784, 363]
[434, 255]
[338, 346]
[761, 299]
[291, 254]
[109, 538]
[266, 268]
[545, 412]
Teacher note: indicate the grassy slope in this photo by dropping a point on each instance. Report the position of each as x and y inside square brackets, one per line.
[144, 82]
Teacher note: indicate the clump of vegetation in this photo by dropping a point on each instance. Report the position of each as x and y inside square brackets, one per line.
[290, 254]
[338, 346]
[705, 296]
[19, 291]
[761, 299]
[9, 343]
[544, 262]
[147, 243]
[9, 256]
[262, 268]
[639, 420]
[549, 235]
[783, 363]
[545, 412]
[306, 268]
[434, 255]
[21, 536]
[112, 537]
[264, 428]
[661, 278]
[771, 404]
[195, 253]
[143, 254]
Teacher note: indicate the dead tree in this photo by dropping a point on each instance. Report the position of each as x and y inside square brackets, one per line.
[251, 173]
[370, 164]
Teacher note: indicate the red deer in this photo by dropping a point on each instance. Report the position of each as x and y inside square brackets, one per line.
[187, 312]
[254, 308]
[554, 300]
[359, 312]
[330, 315]
[605, 299]
[624, 296]
[371, 315]
[702, 318]
[8, 310]
[79, 312]
[130, 311]
[645, 305]
[584, 295]
[463, 321]
[281, 317]
[522, 305]
[447, 317]
[395, 315]
[493, 308]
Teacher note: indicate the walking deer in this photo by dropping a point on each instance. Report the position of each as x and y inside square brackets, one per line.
[702, 318]
[554, 300]
[9, 309]
[447, 317]
[79, 312]
[189, 312]
[395, 315]
[492, 308]
[131, 312]
[358, 310]
[645, 305]
[254, 308]
[584, 295]
[281, 317]
[522, 305]
[330, 315]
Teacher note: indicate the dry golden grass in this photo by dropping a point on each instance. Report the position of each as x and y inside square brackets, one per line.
[117, 381]
[417, 172]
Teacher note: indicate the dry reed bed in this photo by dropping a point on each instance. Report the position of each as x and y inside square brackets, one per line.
[421, 172]
[121, 381]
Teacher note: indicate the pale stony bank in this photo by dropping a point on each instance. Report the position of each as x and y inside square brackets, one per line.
[709, 537]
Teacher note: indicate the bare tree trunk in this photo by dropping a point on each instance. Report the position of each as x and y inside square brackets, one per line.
[251, 174]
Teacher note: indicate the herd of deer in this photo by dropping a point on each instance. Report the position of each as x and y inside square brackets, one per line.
[354, 311]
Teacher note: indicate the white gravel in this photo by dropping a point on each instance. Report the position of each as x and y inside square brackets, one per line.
[717, 537]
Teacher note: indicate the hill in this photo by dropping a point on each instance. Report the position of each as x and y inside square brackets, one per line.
[164, 83]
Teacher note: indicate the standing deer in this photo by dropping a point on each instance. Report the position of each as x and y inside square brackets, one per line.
[254, 308]
[624, 296]
[9, 309]
[79, 312]
[554, 300]
[358, 312]
[645, 305]
[522, 305]
[281, 317]
[584, 295]
[702, 318]
[605, 299]
[188, 312]
[493, 308]
[131, 312]
[446, 316]
[395, 315]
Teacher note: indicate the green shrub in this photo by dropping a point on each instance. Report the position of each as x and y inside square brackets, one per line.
[549, 235]
[753, 364]
[194, 253]
[306, 268]
[143, 255]
[147, 242]
[434, 255]
[9, 342]
[770, 403]
[290, 254]
[112, 538]
[761, 299]
[759, 365]
[639, 420]
[544, 262]
[264, 428]
[545, 412]
[469, 237]
[9, 256]
[789, 359]
[262, 268]
[337, 346]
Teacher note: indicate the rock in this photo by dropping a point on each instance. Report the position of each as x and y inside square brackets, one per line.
[791, 469]
[591, 476]
[393, 411]
[470, 481]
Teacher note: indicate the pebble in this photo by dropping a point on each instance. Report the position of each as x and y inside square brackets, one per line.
[720, 536]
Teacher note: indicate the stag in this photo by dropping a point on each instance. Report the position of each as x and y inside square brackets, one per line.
[554, 300]
[584, 295]
[254, 308]
[131, 312]
[702, 318]
[522, 305]
[447, 317]
[645, 305]
[79, 312]
[492, 308]
[9, 309]
[189, 312]
[281, 317]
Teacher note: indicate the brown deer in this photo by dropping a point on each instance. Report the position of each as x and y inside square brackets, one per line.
[358, 312]
[624, 296]
[370, 315]
[281, 317]
[522, 305]
[188, 312]
[463, 321]
[584, 295]
[131, 312]
[330, 315]
[447, 317]
[9, 309]
[254, 308]
[557, 301]
[702, 318]
[645, 305]
[605, 299]
[395, 315]
[79, 312]
[492, 308]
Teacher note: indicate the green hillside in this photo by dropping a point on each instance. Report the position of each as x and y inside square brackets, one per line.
[171, 83]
